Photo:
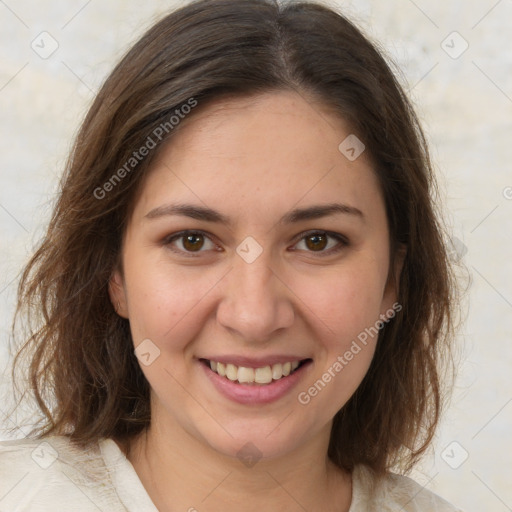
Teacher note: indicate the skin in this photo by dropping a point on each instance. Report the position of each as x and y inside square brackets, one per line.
[237, 156]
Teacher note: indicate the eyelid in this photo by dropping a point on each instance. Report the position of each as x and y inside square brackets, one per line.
[341, 239]
[167, 241]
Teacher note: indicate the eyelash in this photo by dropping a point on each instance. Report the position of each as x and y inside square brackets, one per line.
[342, 240]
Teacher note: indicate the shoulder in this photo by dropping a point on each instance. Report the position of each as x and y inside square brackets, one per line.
[393, 493]
[52, 473]
[51, 454]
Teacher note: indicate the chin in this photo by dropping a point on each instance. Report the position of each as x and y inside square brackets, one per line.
[253, 441]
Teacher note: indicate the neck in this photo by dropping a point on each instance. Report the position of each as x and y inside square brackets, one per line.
[180, 472]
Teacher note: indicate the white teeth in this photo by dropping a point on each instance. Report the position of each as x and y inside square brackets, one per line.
[246, 375]
[277, 371]
[231, 372]
[263, 375]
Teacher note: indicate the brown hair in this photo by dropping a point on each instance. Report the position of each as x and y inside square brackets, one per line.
[82, 369]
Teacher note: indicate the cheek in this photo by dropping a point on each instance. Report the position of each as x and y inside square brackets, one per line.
[346, 300]
[164, 302]
[346, 309]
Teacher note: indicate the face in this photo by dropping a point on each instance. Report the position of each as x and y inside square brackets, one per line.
[256, 245]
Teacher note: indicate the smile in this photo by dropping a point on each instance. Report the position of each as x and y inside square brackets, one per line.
[254, 381]
[261, 376]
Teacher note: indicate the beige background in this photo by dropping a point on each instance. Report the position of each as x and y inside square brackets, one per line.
[464, 100]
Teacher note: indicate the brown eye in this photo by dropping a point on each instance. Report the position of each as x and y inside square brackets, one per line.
[189, 242]
[317, 242]
[322, 242]
[193, 242]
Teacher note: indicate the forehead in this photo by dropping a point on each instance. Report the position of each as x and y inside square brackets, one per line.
[282, 124]
[264, 152]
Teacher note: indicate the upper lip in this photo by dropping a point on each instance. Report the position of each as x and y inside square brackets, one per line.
[255, 362]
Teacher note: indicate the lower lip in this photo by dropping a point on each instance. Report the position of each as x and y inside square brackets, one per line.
[255, 393]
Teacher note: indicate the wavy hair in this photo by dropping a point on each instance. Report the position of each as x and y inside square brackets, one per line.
[82, 370]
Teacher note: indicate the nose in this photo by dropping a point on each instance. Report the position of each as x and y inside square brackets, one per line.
[256, 302]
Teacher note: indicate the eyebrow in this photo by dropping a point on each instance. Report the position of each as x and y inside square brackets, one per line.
[294, 216]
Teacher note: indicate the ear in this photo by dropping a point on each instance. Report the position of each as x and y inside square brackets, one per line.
[390, 296]
[117, 293]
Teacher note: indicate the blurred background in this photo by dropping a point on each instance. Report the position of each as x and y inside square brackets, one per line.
[456, 64]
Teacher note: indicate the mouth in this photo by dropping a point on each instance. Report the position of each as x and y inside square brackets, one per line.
[260, 376]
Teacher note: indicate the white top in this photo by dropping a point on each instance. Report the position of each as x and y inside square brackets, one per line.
[54, 475]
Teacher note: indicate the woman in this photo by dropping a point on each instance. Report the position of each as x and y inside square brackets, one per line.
[244, 294]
